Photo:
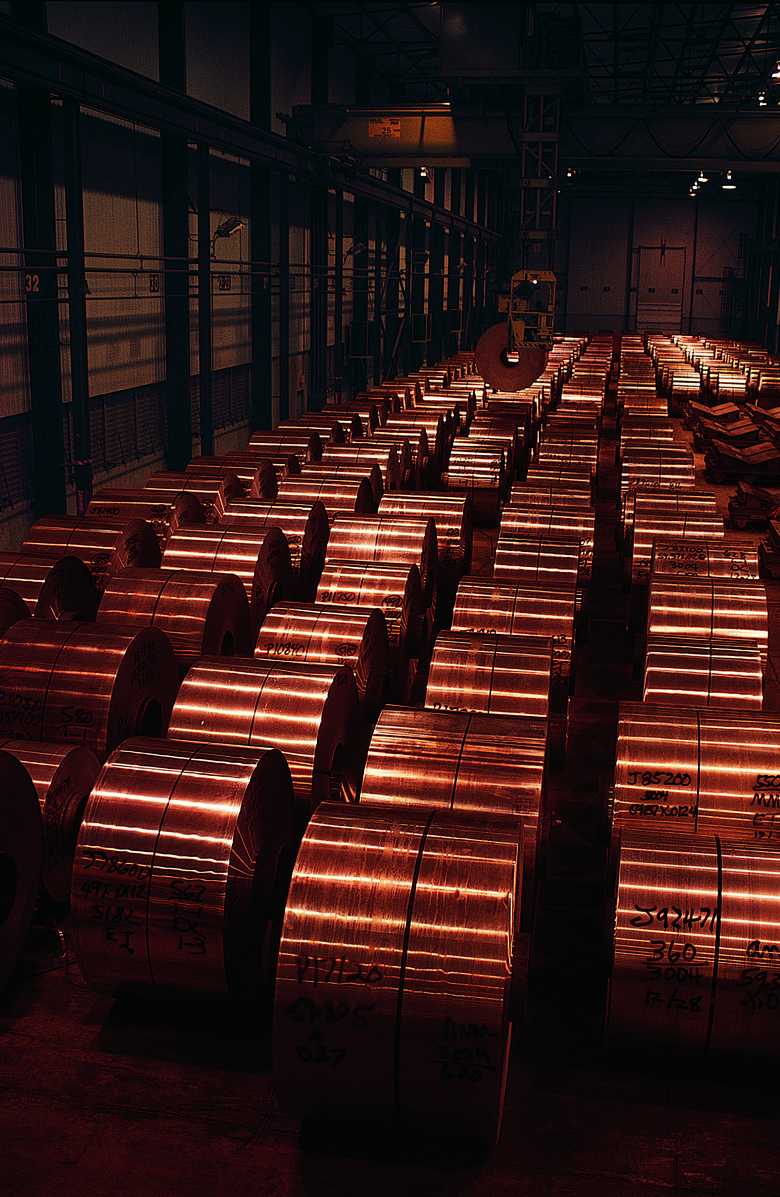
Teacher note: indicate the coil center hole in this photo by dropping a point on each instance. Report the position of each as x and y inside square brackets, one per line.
[336, 774]
[149, 720]
[8, 885]
[228, 646]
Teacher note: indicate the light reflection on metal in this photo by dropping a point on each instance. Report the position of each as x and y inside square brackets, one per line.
[350, 474]
[366, 453]
[703, 673]
[52, 587]
[498, 675]
[348, 494]
[165, 512]
[257, 475]
[397, 540]
[215, 486]
[305, 527]
[104, 545]
[709, 608]
[306, 443]
[688, 526]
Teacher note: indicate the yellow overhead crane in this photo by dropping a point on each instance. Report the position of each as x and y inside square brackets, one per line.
[511, 355]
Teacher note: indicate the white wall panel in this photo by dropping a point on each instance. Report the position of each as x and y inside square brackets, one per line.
[14, 376]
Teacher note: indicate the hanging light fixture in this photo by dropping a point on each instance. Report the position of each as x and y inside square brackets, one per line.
[702, 177]
[776, 71]
[728, 184]
[762, 99]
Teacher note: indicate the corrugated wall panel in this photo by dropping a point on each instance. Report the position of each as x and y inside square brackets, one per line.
[217, 38]
[124, 32]
[14, 376]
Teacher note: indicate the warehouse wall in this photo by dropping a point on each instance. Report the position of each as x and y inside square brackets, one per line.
[610, 284]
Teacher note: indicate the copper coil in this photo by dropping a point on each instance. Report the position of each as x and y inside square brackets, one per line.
[482, 605]
[498, 675]
[659, 501]
[453, 516]
[709, 608]
[306, 445]
[403, 922]
[571, 478]
[347, 494]
[734, 559]
[200, 613]
[393, 397]
[556, 453]
[332, 429]
[257, 476]
[105, 546]
[350, 474]
[305, 527]
[486, 425]
[554, 523]
[410, 462]
[261, 560]
[665, 466]
[436, 434]
[215, 489]
[51, 587]
[389, 539]
[397, 591]
[165, 513]
[371, 413]
[703, 673]
[482, 475]
[20, 861]
[494, 442]
[536, 560]
[182, 857]
[683, 526]
[451, 408]
[63, 777]
[244, 464]
[311, 713]
[81, 683]
[326, 634]
[696, 929]
[366, 453]
[541, 494]
[12, 608]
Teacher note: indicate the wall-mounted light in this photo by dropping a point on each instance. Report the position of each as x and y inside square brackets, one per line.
[226, 228]
[424, 173]
[728, 184]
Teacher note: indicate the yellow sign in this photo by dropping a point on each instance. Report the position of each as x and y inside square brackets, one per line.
[388, 128]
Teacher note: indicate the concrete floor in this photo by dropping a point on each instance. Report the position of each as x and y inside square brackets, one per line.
[113, 1097]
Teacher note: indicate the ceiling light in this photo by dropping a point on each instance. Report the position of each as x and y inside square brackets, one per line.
[776, 72]
[727, 184]
[702, 177]
[424, 172]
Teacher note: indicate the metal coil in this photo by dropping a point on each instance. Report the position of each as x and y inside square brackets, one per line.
[525, 494]
[257, 476]
[554, 523]
[311, 713]
[686, 526]
[165, 513]
[80, 683]
[453, 516]
[403, 922]
[20, 860]
[213, 487]
[366, 453]
[736, 560]
[436, 437]
[709, 608]
[104, 546]
[326, 634]
[482, 605]
[261, 560]
[571, 478]
[703, 673]
[371, 414]
[244, 464]
[63, 778]
[695, 944]
[393, 539]
[12, 608]
[349, 473]
[305, 444]
[660, 502]
[200, 613]
[495, 443]
[664, 466]
[481, 475]
[305, 527]
[485, 425]
[182, 859]
[537, 560]
[338, 494]
[384, 438]
[498, 675]
[333, 429]
[397, 591]
[51, 587]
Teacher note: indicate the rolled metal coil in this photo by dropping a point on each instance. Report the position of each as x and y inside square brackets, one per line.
[536, 560]
[306, 445]
[571, 456]
[736, 560]
[482, 475]
[332, 428]
[181, 865]
[51, 587]
[394, 398]
[407, 462]
[666, 466]
[385, 539]
[63, 777]
[244, 464]
[683, 526]
[498, 675]
[695, 931]
[491, 442]
[261, 560]
[397, 591]
[403, 921]
[661, 502]
[258, 476]
[326, 634]
[165, 513]
[703, 673]
[349, 474]
[214, 486]
[366, 453]
[105, 546]
[709, 608]
[554, 523]
[12, 608]
[311, 713]
[525, 494]
[453, 516]
[436, 433]
[349, 494]
[200, 613]
[563, 476]
[20, 860]
[371, 413]
[482, 605]
[485, 425]
[305, 527]
[83, 683]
